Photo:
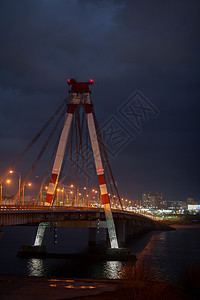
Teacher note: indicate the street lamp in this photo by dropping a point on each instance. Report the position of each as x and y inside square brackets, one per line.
[29, 184]
[20, 179]
[58, 190]
[1, 192]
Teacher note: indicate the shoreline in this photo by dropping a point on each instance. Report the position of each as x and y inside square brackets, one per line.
[28, 287]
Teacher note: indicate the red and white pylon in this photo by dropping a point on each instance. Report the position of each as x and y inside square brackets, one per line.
[80, 96]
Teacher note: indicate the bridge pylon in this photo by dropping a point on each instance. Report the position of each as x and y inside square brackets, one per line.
[79, 95]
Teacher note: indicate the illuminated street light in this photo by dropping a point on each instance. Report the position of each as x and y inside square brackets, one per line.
[20, 179]
[58, 190]
[1, 192]
[29, 185]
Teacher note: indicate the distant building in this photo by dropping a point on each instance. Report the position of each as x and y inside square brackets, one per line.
[150, 199]
[136, 202]
[190, 200]
[146, 199]
[162, 204]
[176, 205]
[192, 207]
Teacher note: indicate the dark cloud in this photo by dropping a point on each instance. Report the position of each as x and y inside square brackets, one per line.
[125, 45]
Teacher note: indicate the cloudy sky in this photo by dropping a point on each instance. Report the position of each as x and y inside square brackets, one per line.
[130, 48]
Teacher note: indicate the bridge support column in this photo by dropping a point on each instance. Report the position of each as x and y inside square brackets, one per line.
[40, 233]
[92, 236]
[121, 231]
[36, 250]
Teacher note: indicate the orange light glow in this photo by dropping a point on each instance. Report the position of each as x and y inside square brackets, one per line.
[63, 280]
[76, 287]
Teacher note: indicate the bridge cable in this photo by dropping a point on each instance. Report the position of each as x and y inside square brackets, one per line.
[63, 164]
[41, 152]
[47, 170]
[36, 137]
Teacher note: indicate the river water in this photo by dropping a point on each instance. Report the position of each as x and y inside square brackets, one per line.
[165, 252]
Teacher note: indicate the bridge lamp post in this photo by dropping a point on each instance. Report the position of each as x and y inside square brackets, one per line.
[129, 204]
[29, 185]
[58, 190]
[85, 195]
[126, 203]
[20, 179]
[71, 193]
[97, 200]
[114, 201]
[87, 199]
[1, 192]
[79, 194]
[63, 195]
[44, 188]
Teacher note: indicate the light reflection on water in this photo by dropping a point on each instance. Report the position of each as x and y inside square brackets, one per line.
[111, 269]
[167, 253]
[35, 267]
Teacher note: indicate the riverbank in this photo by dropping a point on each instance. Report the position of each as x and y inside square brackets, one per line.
[31, 288]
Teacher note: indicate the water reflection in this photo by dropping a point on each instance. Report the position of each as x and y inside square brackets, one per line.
[112, 269]
[35, 267]
[151, 254]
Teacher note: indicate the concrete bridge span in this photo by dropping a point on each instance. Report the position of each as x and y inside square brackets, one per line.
[128, 224]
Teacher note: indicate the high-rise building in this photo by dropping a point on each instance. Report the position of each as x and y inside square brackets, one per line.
[150, 199]
[190, 200]
[146, 199]
[160, 202]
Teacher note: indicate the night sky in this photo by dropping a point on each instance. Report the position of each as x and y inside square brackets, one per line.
[145, 49]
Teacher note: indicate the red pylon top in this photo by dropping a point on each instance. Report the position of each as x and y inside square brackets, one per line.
[79, 87]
